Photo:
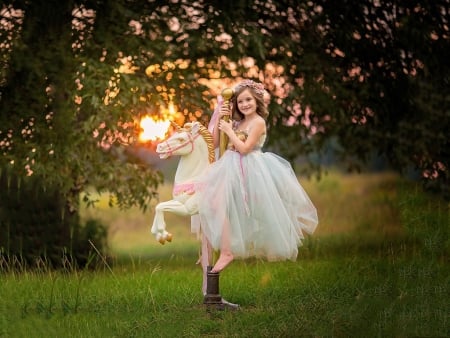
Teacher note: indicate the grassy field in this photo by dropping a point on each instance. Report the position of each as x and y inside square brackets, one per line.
[376, 267]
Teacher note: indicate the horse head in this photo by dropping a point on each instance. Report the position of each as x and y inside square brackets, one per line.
[182, 141]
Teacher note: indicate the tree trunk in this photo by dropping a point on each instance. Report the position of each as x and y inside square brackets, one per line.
[36, 222]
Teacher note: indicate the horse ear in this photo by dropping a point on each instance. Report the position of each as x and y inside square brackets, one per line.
[177, 127]
[195, 127]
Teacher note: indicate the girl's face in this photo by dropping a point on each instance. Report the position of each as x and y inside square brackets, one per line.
[246, 103]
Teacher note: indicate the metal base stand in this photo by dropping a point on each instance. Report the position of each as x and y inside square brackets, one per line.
[213, 300]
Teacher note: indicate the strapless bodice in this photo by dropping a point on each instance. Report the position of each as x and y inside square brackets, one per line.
[243, 134]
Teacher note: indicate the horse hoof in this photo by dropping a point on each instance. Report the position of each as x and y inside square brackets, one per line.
[160, 239]
[169, 237]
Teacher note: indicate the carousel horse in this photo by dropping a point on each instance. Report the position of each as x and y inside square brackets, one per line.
[194, 144]
[196, 153]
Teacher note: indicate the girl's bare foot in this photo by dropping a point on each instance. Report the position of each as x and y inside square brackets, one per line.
[222, 262]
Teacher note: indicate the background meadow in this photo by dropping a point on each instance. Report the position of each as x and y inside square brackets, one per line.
[376, 267]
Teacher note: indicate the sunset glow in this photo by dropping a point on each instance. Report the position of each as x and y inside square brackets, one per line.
[153, 129]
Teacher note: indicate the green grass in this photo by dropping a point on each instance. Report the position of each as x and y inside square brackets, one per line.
[365, 297]
[377, 267]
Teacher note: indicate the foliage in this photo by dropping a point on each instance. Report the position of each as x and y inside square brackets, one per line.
[386, 79]
[369, 74]
[372, 75]
[38, 229]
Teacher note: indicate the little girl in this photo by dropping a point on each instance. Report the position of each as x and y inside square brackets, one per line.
[250, 202]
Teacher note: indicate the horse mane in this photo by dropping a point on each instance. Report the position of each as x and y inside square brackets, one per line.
[209, 142]
[207, 136]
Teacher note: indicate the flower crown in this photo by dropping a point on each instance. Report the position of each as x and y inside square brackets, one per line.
[256, 86]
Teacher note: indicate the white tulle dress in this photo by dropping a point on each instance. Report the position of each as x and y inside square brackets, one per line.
[258, 201]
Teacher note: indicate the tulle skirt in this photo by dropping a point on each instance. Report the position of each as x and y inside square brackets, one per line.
[256, 204]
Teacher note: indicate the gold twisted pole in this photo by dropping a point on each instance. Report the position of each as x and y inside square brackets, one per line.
[227, 94]
[213, 297]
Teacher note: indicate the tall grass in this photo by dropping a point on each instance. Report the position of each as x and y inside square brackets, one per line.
[369, 271]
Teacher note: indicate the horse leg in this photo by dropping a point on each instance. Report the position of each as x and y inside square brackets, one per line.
[159, 224]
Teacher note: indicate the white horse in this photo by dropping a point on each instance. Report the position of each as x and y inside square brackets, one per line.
[196, 154]
[194, 143]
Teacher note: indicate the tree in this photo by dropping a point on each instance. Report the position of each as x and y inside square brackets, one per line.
[76, 76]
[381, 84]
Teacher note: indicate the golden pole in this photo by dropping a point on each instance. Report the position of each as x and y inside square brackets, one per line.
[213, 297]
[227, 94]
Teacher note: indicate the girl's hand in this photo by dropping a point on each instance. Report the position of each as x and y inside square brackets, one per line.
[225, 110]
[226, 127]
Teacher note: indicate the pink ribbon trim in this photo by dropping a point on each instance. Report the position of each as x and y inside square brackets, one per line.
[186, 188]
[215, 115]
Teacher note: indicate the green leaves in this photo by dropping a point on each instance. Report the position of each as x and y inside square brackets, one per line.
[364, 78]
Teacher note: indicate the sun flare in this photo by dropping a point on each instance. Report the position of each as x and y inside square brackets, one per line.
[153, 129]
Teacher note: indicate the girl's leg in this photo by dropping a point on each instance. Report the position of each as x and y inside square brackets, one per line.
[226, 256]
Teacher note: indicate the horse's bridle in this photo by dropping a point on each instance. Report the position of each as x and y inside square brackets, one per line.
[190, 140]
